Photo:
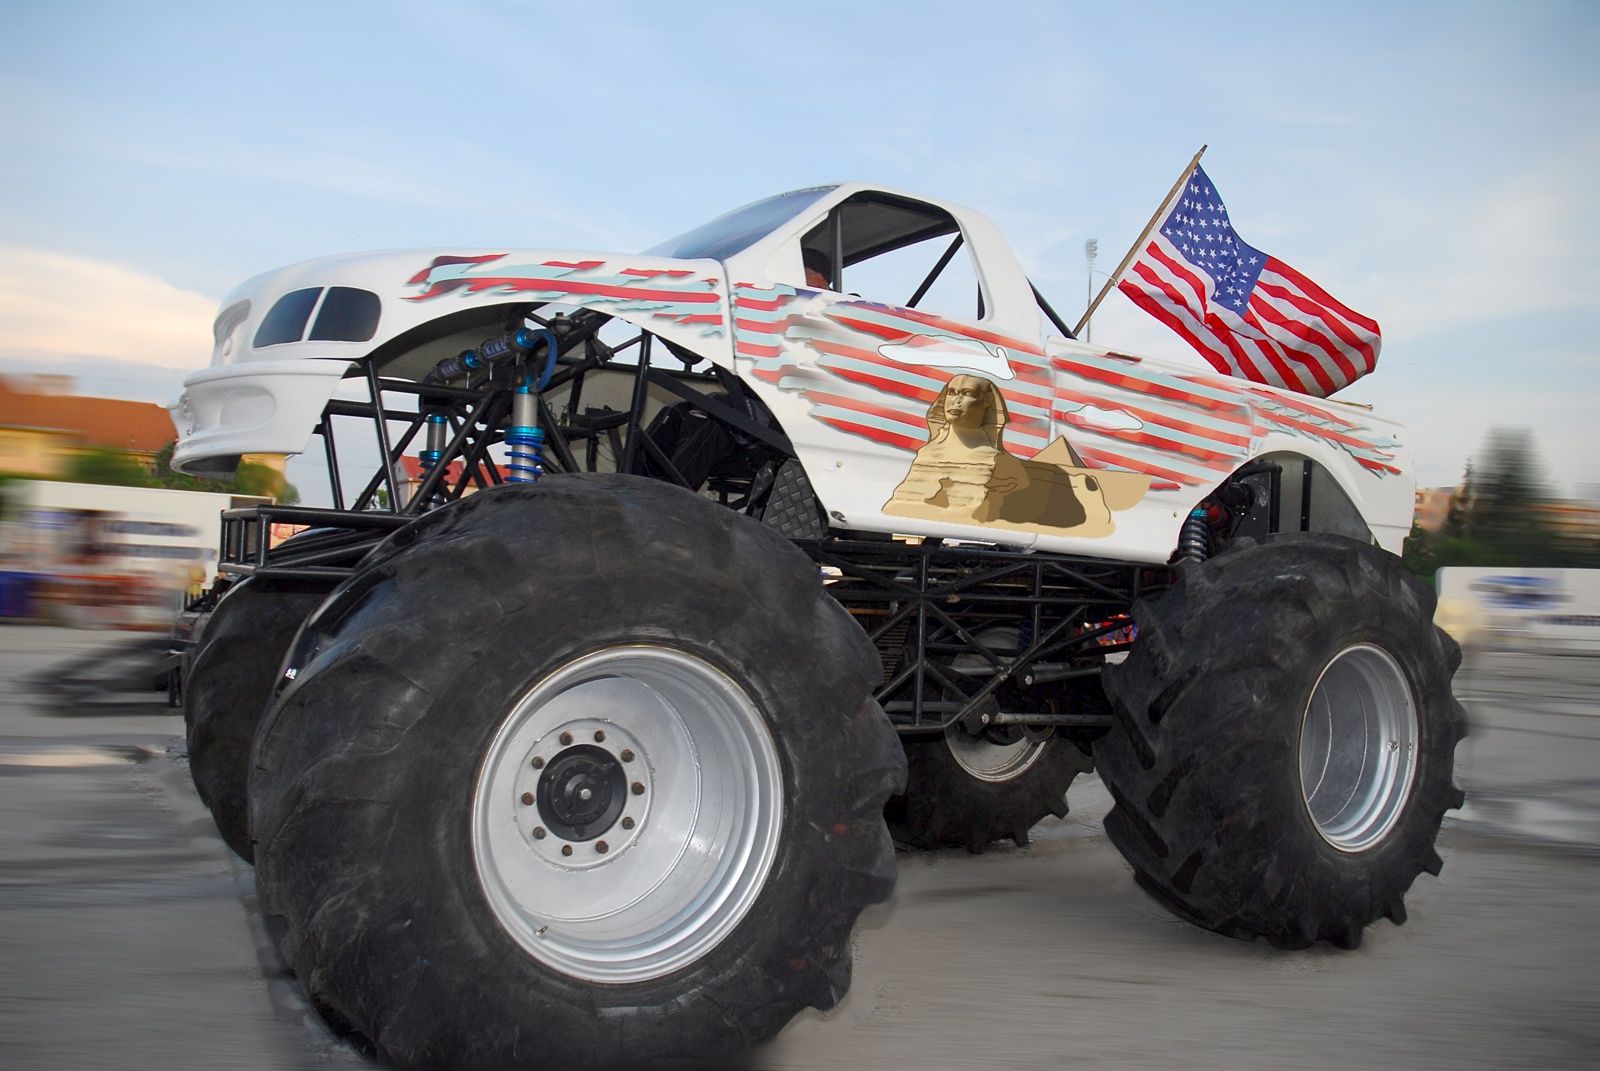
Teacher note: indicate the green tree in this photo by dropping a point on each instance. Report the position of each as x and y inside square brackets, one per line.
[248, 479]
[99, 465]
[1493, 519]
[1507, 486]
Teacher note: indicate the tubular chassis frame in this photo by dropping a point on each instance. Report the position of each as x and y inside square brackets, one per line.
[924, 604]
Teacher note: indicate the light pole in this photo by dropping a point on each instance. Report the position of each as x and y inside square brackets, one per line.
[1091, 246]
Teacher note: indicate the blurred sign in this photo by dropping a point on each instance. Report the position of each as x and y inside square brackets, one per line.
[103, 556]
[1550, 609]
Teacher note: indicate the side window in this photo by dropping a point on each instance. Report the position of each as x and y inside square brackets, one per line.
[896, 251]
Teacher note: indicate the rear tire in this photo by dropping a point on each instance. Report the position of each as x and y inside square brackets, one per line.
[231, 675]
[968, 791]
[694, 700]
[1284, 739]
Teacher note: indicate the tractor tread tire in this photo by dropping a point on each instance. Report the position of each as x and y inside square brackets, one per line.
[231, 676]
[944, 805]
[1202, 760]
[364, 771]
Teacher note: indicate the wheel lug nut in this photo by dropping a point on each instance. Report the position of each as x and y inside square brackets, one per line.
[527, 799]
[638, 788]
[538, 763]
[566, 849]
[566, 738]
[599, 736]
[627, 755]
[602, 847]
[627, 823]
[538, 832]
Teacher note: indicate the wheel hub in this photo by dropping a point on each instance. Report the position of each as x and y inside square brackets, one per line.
[581, 792]
[623, 847]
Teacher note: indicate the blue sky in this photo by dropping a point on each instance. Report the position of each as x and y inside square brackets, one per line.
[1431, 165]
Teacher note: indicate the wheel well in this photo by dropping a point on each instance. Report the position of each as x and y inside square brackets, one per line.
[1277, 493]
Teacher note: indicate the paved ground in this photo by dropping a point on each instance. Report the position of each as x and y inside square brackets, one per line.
[130, 938]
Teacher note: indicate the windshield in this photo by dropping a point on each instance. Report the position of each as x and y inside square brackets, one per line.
[739, 229]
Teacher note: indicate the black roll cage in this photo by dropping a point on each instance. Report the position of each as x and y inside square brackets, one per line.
[932, 610]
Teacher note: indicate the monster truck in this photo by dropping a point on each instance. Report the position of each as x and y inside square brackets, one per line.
[674, 583]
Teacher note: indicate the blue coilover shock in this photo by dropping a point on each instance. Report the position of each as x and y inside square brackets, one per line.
[1192, 541]
[524, 439]
[428, 457]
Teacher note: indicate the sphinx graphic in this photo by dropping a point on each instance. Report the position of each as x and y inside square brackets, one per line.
[965, 474]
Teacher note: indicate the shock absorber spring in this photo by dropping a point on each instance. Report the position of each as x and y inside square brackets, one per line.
[524, 439]
[428, 457]
[1192, 540]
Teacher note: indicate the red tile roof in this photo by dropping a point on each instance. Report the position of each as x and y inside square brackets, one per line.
[142, 427]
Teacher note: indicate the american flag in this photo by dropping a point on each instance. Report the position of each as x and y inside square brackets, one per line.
[1248, 314]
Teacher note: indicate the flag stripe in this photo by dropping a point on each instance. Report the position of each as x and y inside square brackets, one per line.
[1247, 314]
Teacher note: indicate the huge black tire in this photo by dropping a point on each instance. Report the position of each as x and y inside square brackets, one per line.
[584, 771]
[967, 791]
[1284, 740]
[232, 671]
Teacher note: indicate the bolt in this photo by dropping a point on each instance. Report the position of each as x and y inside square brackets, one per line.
[585, 794]
[566, 849]
[527, 799]
[627, 755]
[599, 736]
[538, 832]
[638, 788]
[566, 738]
[602, 847]
[538, 763]
[627, 823]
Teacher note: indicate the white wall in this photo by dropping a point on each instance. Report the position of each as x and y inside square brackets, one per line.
[1554, 609]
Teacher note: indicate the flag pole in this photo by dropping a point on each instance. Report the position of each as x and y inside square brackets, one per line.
[1139, 242]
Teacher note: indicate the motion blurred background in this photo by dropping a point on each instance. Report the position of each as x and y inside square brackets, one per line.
[1431, 164]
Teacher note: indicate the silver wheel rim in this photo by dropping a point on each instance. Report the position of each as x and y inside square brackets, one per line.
[981, 756]
[988, 760]
[1358, 748]
[654, 881]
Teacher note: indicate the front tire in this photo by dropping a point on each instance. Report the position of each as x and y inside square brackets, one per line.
[230, 679]
[520, 678]
[1283, 744]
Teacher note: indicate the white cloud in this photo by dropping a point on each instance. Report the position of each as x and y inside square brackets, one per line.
[1108, 419]
[55, 306]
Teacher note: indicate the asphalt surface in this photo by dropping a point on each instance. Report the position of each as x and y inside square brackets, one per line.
[130, 936]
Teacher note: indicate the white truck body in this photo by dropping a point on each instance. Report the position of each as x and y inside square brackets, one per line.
[856, 383]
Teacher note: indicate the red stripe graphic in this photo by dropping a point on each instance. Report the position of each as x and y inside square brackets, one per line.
[693, 318]
[877, 435]
[1211, 459]
[744, 301]
[1145, 386]
[1152, 417]
[1107, 459]
[840, 401]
